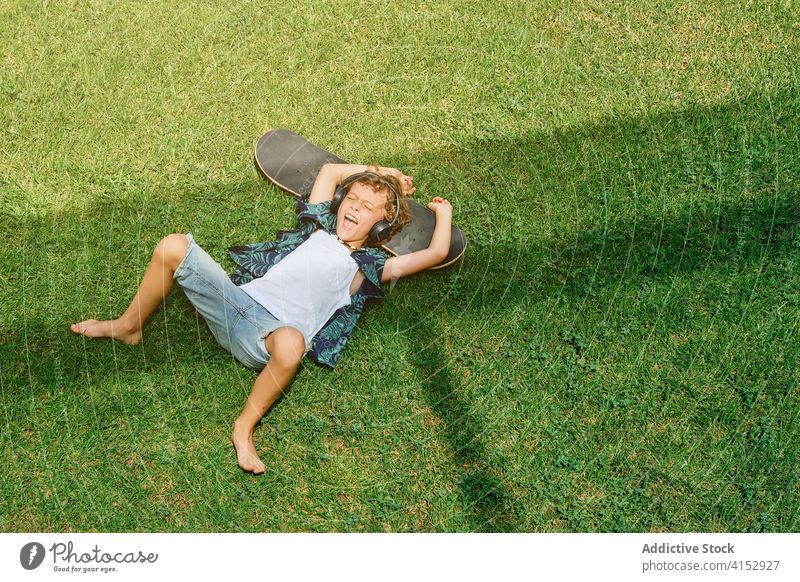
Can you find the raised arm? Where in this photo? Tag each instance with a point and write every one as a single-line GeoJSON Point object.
{"type": "Point", "coordinates": [405, 265]}
{"type": "Point", "coordinates": [331, 175]}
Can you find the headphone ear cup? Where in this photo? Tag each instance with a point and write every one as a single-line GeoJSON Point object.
{"type": "Point", "coordinates": [336, 201]}
{"type": "Point", "coordinates": [379, 232]}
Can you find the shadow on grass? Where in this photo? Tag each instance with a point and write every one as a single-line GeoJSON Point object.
{"type": "Point", "coordinates": [649, 199]}
{"type": "Point", "coordinates": [547, 215]}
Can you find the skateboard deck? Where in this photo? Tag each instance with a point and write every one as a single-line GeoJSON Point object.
{"type": "Point", "coordinates": [292, 163]}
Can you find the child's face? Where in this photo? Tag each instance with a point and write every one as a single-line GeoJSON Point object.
{"type": "Point", "coordinates": [365, 206]}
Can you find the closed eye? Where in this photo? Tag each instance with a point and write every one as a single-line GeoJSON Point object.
{"type": "Point", "coordinates": [367, 205]}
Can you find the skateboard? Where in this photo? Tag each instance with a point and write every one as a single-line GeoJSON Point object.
{"type": "Point", "coordinates": [292, 163]}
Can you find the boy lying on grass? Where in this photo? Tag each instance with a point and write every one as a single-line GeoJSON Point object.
{"type": "Point", "coordinates": [299, 295]}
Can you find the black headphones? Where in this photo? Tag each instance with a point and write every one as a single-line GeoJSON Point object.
{"type": "Point", "coordinates": [380, 230]}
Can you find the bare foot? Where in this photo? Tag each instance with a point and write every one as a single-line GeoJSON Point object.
{"type": "Point", "coordinates": [245, 450]}
{"type": "Point", "coordinates": [112, 328]}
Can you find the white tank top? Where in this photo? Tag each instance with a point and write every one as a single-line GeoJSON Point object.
{"type": "Point", "coordinates": [308, 285]}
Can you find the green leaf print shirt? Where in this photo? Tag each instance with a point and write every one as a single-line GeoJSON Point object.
{"type": "Point", "coordinates": [255, 259]}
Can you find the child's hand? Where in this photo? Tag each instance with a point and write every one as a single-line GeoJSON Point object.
{"type": "Point", "coordinates": [407, 182]}
{"type": "Point", "coordinates": [441, 207]}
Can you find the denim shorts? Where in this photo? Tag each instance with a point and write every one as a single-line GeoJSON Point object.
{"type": "Point", "coordinates": [236, 320]}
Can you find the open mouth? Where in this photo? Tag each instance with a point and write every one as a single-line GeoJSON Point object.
{"type": "Point", "coordinates": [350, 218]}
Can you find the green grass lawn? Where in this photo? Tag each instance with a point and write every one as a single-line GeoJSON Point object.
{"type": "Point", "coordinates": [616, 351]}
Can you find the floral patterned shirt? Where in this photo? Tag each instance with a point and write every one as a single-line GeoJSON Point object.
{"type": "Point", "coordinates": [255, 259]}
